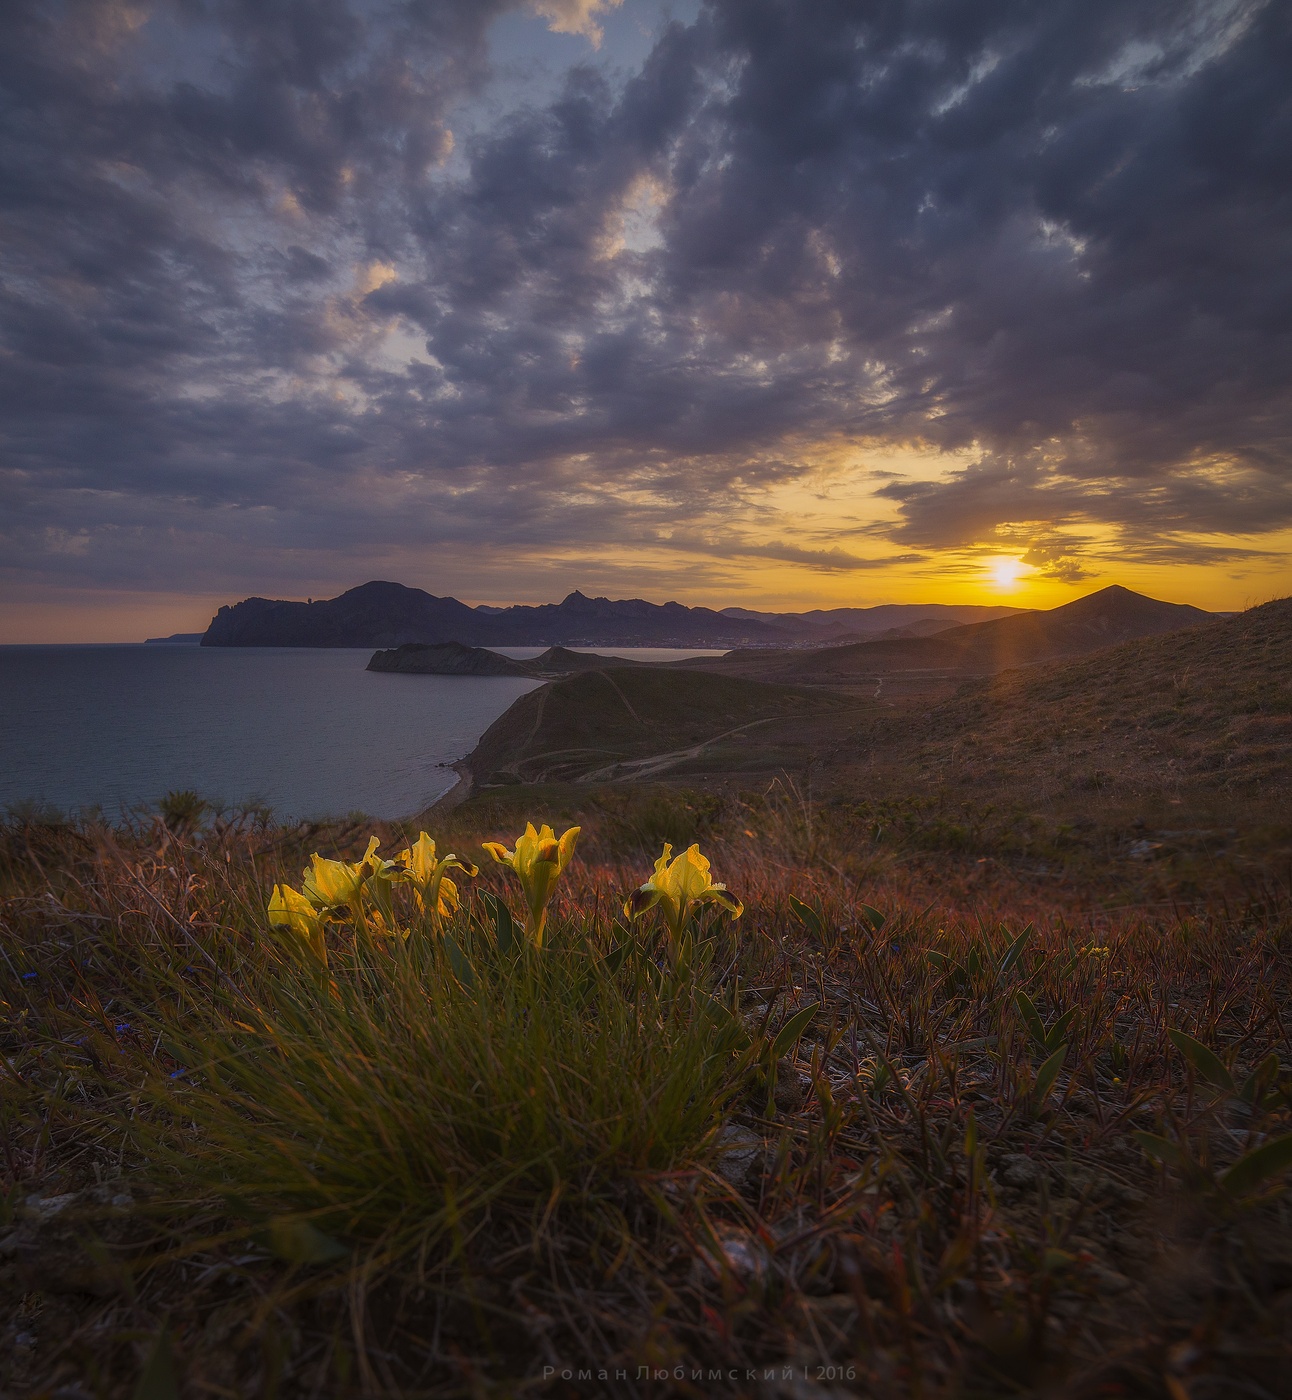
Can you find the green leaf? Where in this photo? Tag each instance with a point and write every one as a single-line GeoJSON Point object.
{"type": "Point", "coordinates": [938, 961]}
{"type": "Point", "coordinates": [872, 916]}
{"type": "Point", "coordinates": [1257, 1083]}
{"type": "Point", "coordinates": [808, 917]}
{"type": "Point", "coordinates": [1058, 1032]}
{"type": "Point", "coordinates": [614, 959]}
{"type": "Point", "coordinates": [1012, 954]}
{"type": "Point", "coordinates": [1205, 1061]}
{"type": "Point", "coordinates": [1046, 1075]}
{"type": "Point", "coordinates": [504, 926]}
{"type": "Point", "coordinates": [460, 963]}
{"type": "Point", "coordinates": [302, 1242]}
{"type": "Point", "coordinates": [1261, 1162]}
{"type": "Point", "coordinates": [1031, 1018]}
{"type": "Point", "coordinates": [788, 1035]}
{"type": "Point", "coordinates": [1162, 1148]}
{"type": "Point", "coordinates": [158, 1381]}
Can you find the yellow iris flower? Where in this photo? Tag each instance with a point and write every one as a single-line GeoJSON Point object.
{"type": "Point", "coordinates": [290, 909]}
{"type": "Point", "coordinates": [333, 884]}
{"type": "Point", "coordinates": [436, 893]}
{"type": "Point", "coordinates": [328, 884]}
{"type": "Point", "coordinates": [537, 860]}
{"type": "Point", "coordinates": [678, 886]}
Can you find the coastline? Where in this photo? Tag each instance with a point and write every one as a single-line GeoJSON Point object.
{"type": "Point", "coordinates": [456, 795]}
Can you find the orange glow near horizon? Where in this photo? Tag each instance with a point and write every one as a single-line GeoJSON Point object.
{"type": "Point", "coordinates": [701, 571]}
{"type": "Point", "coordinates": [92, 619]}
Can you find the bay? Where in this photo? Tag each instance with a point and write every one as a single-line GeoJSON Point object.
{"type": "Point", "coordinates": [308, 732]}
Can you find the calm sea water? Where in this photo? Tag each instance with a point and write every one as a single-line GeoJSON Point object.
{"type": "Point", "coordinates": [308, 731]}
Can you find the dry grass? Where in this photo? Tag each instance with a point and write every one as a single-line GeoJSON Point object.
{"type": "Point", "coordinates": [1199, 720]}
{"type": "Point", "coordinates": [920, 1213]}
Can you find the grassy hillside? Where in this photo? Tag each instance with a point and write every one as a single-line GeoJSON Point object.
{"type": "Point", "coordinates": [1179, 743]}
{"type": "Point", "coordinates": [609, 719]}
{"type": "Point", "coordinates": [1205, 712]}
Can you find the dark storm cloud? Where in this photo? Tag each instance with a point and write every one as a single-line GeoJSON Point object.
{"type": "Point", "coordinates": [256, 305]}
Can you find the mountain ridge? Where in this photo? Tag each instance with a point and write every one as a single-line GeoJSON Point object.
{"type": "Point", "coordinates": [385, 615]}
{"type": "Point", "coordinates": [1101, 619]}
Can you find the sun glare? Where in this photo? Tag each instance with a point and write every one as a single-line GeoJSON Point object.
{"type": "Point", "coordinates": [1005, 572]}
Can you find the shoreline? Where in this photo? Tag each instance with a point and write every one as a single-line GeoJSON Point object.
{"type": "Point", "coordinates": [456, 795]}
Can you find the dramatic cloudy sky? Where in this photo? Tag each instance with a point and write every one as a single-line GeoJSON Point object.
{"type": "Point", "coordinates": [777, 302]}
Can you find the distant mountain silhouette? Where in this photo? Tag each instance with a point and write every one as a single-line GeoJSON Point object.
{"type": "Point", "coordinates": [1103, 619]}
{"type": "Point", "coordinates": [1099, 620]}
{"type": "Point", "coordinates": [387, 615]}
{"type": "Point", "coordinates": [373, 615]}
{"type": "Point", "coordinates": [835, 625]}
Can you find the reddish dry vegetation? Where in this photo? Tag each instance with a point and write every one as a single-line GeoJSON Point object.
{"type": "Point", "coordinates": [985, 1169]}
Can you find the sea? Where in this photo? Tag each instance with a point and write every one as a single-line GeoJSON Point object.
{"type": "Point", "coordinates": [308, 733]}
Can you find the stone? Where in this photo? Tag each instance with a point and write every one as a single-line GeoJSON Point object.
{"type": "Point", "coordinates": [738, 1150]}
{"type": "Point", "coordinates": [1019, 1170]}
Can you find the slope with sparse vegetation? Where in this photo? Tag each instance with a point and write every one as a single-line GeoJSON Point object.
{"type": "Point", "coordinates": [602, 719]}
{"type": "Point", "coordinates": [1198, 716]}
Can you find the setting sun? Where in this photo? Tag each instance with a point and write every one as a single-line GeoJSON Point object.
{"type": "Point", "coordinates": [1005, 572]}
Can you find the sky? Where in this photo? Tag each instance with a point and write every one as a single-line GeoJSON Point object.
{"type": "Point", "coordinates": [774, 303]}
